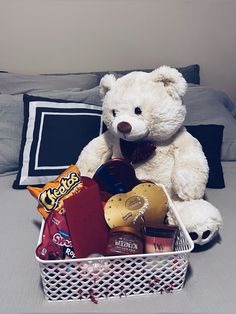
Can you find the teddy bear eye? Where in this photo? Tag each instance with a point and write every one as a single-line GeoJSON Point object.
{"type": "Point", "coordinates": [137, 110]}
{"type": "Point", "coordinates": [113, 112]}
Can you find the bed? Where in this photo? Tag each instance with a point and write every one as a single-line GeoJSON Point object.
{"type": "Point", "coordinates": [211, 278]}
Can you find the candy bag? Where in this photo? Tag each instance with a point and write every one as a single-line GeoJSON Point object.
{"type": "Point", "coordinates": [56, 242]}
{"type": "Point", "coordinates": [52, 194]}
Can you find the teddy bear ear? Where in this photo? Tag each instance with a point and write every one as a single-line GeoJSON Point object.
{"type": "Point", "coordinates": [171, 78]}
{"type": "Point", "coordinates": [106, 84]}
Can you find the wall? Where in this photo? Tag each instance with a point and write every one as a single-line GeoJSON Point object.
{"type": "Point", "coordinates": [42, 36]}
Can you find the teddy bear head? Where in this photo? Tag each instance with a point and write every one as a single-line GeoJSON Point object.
{"type": "Point", "coordinates": [144, 106]}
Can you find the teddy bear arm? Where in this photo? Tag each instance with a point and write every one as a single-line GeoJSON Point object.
{"type": "Point", "coordinates": [95, 153]}
{"type": "Point", "coordinates": [190, 172]}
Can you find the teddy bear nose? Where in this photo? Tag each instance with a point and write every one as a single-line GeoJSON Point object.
{"type": "Point", "coordinates": [124, 127]}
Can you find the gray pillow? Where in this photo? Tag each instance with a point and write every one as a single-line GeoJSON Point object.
{"type": "Point", "coordinates": [13, 84]}
{"type": "Point", "coordinates": [89, 96]}
{"type": "Point", "coordinates": [11, 121]}
{"type": "Point", "coordinates": [208, 106]}
{"type": "Point", "coordinates": [191, 73]}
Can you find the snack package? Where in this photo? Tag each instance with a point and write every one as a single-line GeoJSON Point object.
{"type": "Point", "coordinates": [56, 241]}
{"type": "Point", "coordinates": [52, 194]}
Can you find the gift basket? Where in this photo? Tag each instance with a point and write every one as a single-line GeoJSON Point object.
{"type": "Point", "coordinates": [106, 255]}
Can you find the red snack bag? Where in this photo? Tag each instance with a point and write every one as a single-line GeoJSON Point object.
{"type": "Point", "coordinates": [52, 194]}
{"type": "Point", "coordinates": [56, 241]}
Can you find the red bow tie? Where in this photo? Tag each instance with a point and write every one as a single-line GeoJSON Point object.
{"type": "Point", "coordinates": [136, 152]}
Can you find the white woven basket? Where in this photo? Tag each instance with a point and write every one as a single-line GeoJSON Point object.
{"type": "Point", "coordinates": [117, 276]}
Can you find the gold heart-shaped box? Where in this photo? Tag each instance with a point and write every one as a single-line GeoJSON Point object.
{"type": "Point", "coordinates": [145, 203]}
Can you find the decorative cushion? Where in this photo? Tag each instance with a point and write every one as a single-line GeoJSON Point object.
{"type": "Point", "coordinates": [12, 117]}
{"type": "Point", "coordinates": [54, 133]}
{"type": "Point", "coordinates": [210, 137]}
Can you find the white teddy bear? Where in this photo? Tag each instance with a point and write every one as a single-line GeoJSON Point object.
{"type": "Point", "coordinates": [146, 110]}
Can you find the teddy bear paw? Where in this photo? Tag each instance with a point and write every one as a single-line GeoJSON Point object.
{"type": "Point", "coordinates": [201, 219]}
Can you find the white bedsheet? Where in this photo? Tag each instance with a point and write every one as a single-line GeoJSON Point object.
{"type": "Point", "coordinates": [210, 286]}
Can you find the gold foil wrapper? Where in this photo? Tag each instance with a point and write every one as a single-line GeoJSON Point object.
{"type": "Point", "coordinates": [145, 203]}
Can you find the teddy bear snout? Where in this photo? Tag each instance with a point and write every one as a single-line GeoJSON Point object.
{"type": "Point", "coordinates": [124, 127]}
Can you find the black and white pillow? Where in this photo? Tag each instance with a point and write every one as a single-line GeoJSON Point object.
{"type": "Point", "coordinates": [54, 133]}
{"type": "Point", "coordinates": [210, 137]}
